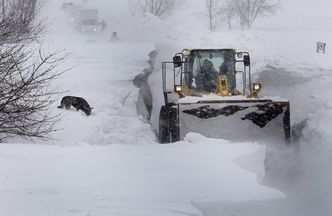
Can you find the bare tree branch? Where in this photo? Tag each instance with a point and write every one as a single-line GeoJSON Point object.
{"type": "Point", "coordinates": [26, 92]}
{"type": "Point", "coordinates": [214, 13]}
{"type": "Point", "coordinates": [26, 76]}
{"type": "Point", "coordinates": [18, 20]}
{"type": "Point", "coordinates": [249, 10]}
{"type": "Point", "coordinates": [158, 8]}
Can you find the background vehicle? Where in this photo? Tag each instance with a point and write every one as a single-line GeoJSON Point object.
{"type": "Point", "coordinates": [84, 19]}
{"type": "Point", "coordinates": [87, 20]}
{"type": "Point", "coordinates": [201, 93]}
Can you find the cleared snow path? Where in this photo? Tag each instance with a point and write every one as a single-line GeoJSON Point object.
{"type": "Point", "coordinates": [102, 73]}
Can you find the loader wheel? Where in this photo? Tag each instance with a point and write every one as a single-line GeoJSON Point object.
{"type": "Point", "coordinates": [168, 125]}
{"type": "Point", "coordinates": [164, 134]}
{"type": "Point", "coordinates": [287, 127]}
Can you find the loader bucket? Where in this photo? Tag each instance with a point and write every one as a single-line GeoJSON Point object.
{"type": "Point", "coordinates": [237, 120]}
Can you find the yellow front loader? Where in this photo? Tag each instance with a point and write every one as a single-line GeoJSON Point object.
{"type": "Point", "coordinates": [209, 91]}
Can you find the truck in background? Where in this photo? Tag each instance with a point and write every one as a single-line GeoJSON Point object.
{"type": "Point", "coordinates": [84, 19]}
{"type": "Point", "coordinates": [87, 20]}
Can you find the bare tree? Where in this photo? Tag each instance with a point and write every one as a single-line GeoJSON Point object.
{"type": "Point", "coordinates": [214, 12]}
{"type": "Point", "coordinates": [158, 8]}
{"type": "Point", "coordinates": [220, 12]}
{"type": "Point", "coordinates": [26, 76]}
{"type": "Point", "coordinates": [17, 20]}
{"type": "Point", "coordinates": [249, 10]}
{"type": "Point", "coordinates": [228, 12]}
{"type": "Point", "coordinates": [26, 93]}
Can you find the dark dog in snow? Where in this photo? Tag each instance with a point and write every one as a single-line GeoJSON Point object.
{"type": "Point", "coordinates": [77, 102]}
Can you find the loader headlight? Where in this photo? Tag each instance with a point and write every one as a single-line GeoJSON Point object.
{"type": "Point", "coordinates": [178, 88]}
{"type": "Point", "coordinates": [257, 87]}
{"type": "Point", "coordinates": [239, 55]}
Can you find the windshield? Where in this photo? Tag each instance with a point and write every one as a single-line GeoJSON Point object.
{"type": "Point", "coordinates": [206, 65]}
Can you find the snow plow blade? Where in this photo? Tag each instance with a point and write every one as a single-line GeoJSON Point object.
{"type": "Point", "coordinates": [237, 120]}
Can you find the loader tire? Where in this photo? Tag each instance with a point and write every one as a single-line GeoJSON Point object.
{"type": "Point", "coordinates": [164, 134]}
{"type": "Point", "coordinates": [168, 125]}
{"type": "Point", "coordinates": [287, 127]}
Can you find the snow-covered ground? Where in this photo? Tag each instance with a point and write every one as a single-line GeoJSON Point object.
{"type": "Point", "coordinates": [128, 180]}
{"type": "Point", "coordinates": [110, 162]}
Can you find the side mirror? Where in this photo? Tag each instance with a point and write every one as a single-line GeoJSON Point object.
{"type": "Point", "coordinates": [177, 61]}
{"type": "Point", "coordinates": [246, 60]}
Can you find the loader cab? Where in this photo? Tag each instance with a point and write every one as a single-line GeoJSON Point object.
{"type": "Point", "coordinates": [199, 72]}
{"type": "Point", "coordinates": [206, 71]}
{"type": "Point", "coordinates": [203, 67]}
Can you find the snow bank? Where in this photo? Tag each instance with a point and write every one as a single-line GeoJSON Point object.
{"type": "Point", "coordinates": [122, 180]}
